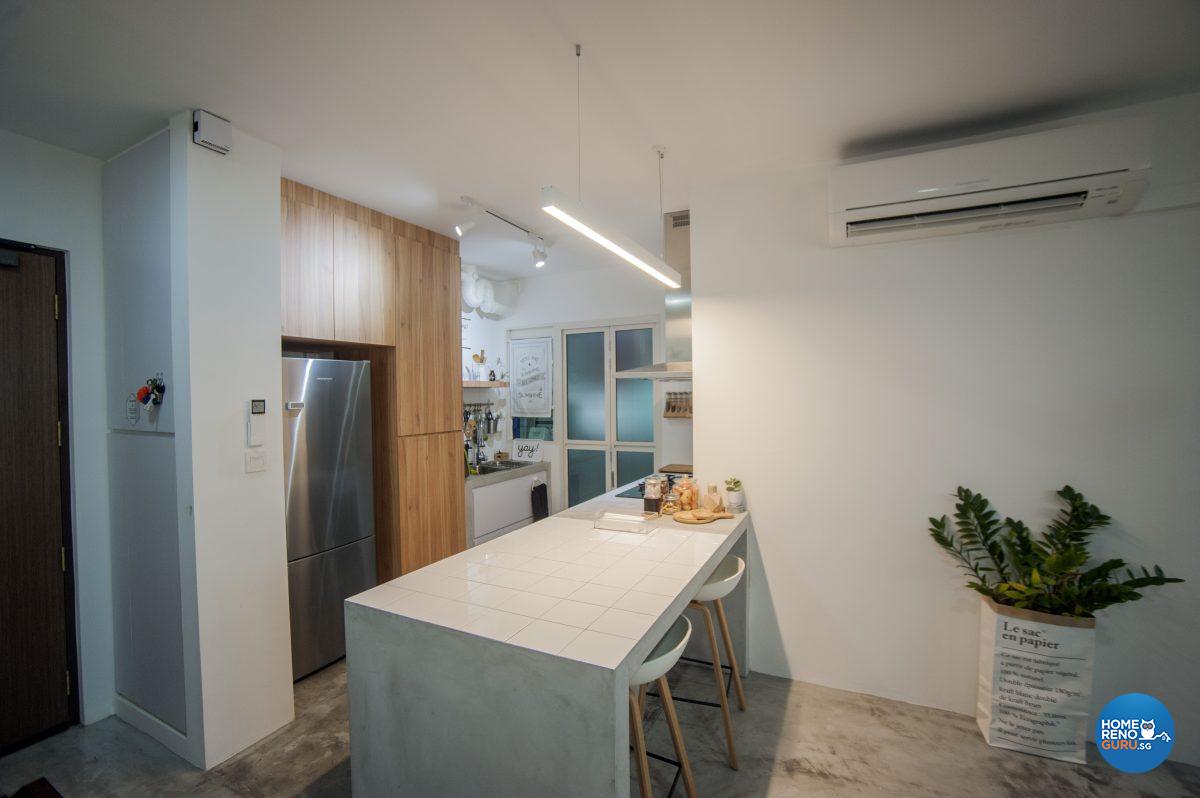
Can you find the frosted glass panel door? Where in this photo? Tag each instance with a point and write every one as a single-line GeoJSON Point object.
{"type": "Point", "coordinates": [586, 397]}
{"type": "Point", "coordinates": [587, 474]}
{"type": "Point", "coordinates": [610, 421]}
{"type": "Point", "coordinates": [635, 398]}
{"type": "Point", "coordinates": [633, 465]}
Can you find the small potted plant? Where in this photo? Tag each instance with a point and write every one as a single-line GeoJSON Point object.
{"type": "Point", "coordinates": [1037, 620]}
{"type": "Point", "coordinates": [735, 497]}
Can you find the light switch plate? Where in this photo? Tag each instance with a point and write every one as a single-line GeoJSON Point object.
{"type": "Point", "coordinates": [255, 462]}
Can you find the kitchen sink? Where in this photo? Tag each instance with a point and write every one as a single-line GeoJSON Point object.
{"type": "Point", "coordinates": [495, 468]}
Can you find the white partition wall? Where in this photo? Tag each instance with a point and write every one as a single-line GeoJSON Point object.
{"type": "Point", "coordinates": [1008, 362]}
{"type": "Point", "coordinates": [225, 249]}
{"type": "Point", "coordinates": [203, 639]}
{"type": "Point", "coordinates": [147, 602]}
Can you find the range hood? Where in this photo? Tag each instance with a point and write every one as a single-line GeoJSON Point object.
{"type": "Point", "coordinates": [677, 252]}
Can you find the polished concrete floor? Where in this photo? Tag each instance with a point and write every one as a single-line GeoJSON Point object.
{"type": "Point", "coordinates": [795, 740]}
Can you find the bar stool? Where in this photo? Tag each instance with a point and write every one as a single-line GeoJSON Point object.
{"type": "Point", "coordinates": [660, 660]}
{"type": "Point", "coordinates": [722, 582]}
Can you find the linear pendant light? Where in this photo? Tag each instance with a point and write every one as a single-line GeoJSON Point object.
{"type": "Point", "coordinates": [570, 213]}
{"type": "Point", "coordinates": [573, 215]}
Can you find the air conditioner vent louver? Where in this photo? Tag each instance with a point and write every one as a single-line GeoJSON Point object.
{"type": "Point", "coordinates": [975, 213]}
{"type": "Point", "coordinates": [1063, 174]}
{"type": "Point", "coordinates": [683, 219]}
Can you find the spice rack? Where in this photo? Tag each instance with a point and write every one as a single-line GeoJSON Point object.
{"type": "Point", "coordinates": [678, 405]}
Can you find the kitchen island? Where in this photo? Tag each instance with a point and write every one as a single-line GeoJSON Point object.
{"type": "Point", "coordinates": [504, 670]}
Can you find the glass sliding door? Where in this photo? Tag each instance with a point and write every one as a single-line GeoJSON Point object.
{"type": "Point", "coordinates": [587, 397]}
{"type": "Point", "coordinates": [610, 422]}
{"type": "Point", "coordinates": [587, 472]}
{"type": "Point", "coordinates": [633, 464]}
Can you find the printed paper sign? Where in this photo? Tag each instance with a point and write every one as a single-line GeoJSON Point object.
{"type": "Point", "coordinates": [525, 450]}
{"type": "Point", "coordinates": [531, 377]}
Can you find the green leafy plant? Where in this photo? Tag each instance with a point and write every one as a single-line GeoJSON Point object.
{"type": "Point", "coordinates": [1049, 573]}
{"type": "Point", "coordinates": [733, 483]}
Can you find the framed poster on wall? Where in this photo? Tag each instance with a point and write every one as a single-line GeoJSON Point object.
{"type": "Point", "coordinates": [531, 386]}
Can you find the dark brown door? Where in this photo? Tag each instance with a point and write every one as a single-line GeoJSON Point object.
{"type": "Point", "coordinates": [34, 640]}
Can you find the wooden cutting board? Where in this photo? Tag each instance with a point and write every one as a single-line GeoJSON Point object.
{"type": "Point", "coordinates": [689, 520]}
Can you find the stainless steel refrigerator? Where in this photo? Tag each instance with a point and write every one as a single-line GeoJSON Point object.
{"type": "Point", "coordinates": [329, 499]}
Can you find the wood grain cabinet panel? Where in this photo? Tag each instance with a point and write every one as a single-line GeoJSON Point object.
{"type": "Point", "coordinates": [428, 340]}
{"type": "Point", "coordinates": [432, 515]}
{"type": "Point", "coordinates": [364, 287]}
{"type": "Point", "coordinates": [307, 270]}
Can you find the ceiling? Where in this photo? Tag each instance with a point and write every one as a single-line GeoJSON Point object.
{"type": "Point", "coordinates": [406, 106]}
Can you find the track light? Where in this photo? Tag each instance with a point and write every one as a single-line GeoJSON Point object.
{"type": "Point", "coordinates": [539, 253]}
{"type": "Point", "coordinates": [461, 228]}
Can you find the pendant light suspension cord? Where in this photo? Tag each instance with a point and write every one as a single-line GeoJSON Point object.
{"type": "Point", "coordinates": [661, 155]}
{"type": "Point", "coordinates": [662, 241]}
{"type": "Point", "coordinates": [578, 125]}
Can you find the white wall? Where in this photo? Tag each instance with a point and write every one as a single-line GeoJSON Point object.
{"type": "Point", "coordinates": [225, 238]}
{"type": "Point", "coordinates": [51, 197]}
{"type": "Point", "coordinates": [570, 297]}
{"type": "Point", "coordinates": [852, 389]}
{"type": "Point", "coordinates": [144, 510]}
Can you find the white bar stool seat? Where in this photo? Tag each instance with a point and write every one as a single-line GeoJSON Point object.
{"type": "Point", "coordinates": [719, 585]}
{"type": "Point", "coordinates": [723, 580]}
{"type": "Point", "coordinates": [664, 655]}
{"type": "Point", "coordinates": [661, 659]}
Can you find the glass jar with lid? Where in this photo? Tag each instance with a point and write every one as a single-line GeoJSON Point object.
{"type": "Point", "coordinates": [670, 502]}
{"type": "Point", "coordinates": [652, 491]}
{"type": "Point", "coordinates": [688, 492]}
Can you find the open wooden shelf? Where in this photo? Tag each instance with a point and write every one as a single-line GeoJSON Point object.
{"type": "Point", "coordinates": [484, 384]}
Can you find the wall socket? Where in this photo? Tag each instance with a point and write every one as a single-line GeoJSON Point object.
{"type": "Point", "coordinates": [255, 462]}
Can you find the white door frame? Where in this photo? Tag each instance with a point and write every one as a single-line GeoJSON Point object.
{"type": "Point", "coordinates": [558, 401]}
{"type": "Point", "coordinates": [610, 445]}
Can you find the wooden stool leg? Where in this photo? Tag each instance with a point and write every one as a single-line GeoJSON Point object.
{"type": "Point", "coordinates": [719, 678]}
{"type": "Point", "coordinates": [733, 663]}
{"type": "Point", "coordinates": [642, 697]}
{"type": "Point", "coordinates": [685, 766]}
{"type": "Point", "coordinates": [639, 746]}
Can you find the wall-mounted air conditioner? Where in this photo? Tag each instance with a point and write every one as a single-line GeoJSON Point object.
{"type": "Point", "coordinates": [1098, 169]}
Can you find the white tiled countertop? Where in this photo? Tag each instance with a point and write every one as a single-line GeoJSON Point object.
{"type": "Point", "coordinates": [559, 585]}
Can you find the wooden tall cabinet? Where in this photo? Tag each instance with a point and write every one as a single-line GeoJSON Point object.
{"type": "Point", "coordinates": [307, 275]}
{"type": "Point", "coordinates": [431, 499]}
{"type": "Point", "coordinates": [364, 282]}
{"type": "Point", "coordinates": [378, 288]}
{"type": "Point", "coordinates": [430, 333]}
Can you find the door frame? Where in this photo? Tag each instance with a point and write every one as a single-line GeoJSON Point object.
{"type": "Point", "coordinates": [610, 445]}
{"type": "Point", "coordinates": [65, 486]}
{"type": "Point", "coordinates": [556, 449]}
